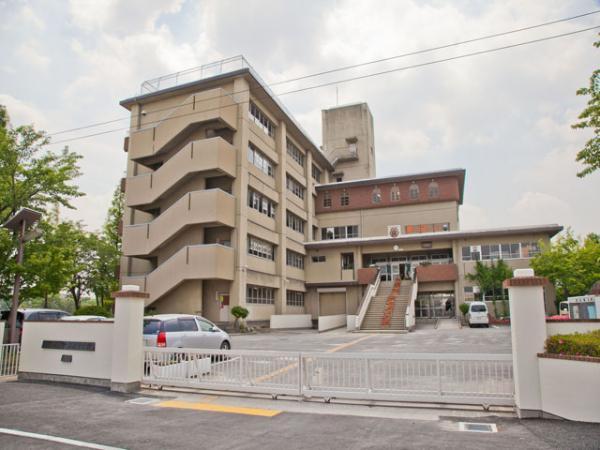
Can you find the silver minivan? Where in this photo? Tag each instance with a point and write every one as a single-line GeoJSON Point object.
{"type": "Point", "coordinates": [184, 331]}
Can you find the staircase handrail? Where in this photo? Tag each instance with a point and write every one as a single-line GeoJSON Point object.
{"type": "Point", "coordinates": [369, 294]}
{"type": "Point", "coordinates": [409, 318]}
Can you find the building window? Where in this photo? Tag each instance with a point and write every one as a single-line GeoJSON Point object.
{"type": "Point", "coordinates": [344, 198]}
{"type": "Point", "coordinates": [352, 145]}
{"type": "Point", "coordinates": [294, 222]}
{"type": "Point", "coordinates": [433, 190]}
{"type": "Point", "coordinates": [261, 203]}
{"type": "Point", "coordinates": [316, 174]}
{"type": "Point", "coordinates": [261, 120]}
{"type": "Point", "coordinates": [347, 261]}
{"type": "Point", "coordinates": [529, 249]}
{"type": "Point", "coordinates": [343, 232]}
{"type": "Point", "coordinates": [427, 228]}
{"type": "Point", "coordinates": [376, 195]}
{"type": "Point", "coordinates": [413, 191]}
{"type": "Point", "coordinates": [294, 259]}
{"type": "Point", "coordinates": [262, 249]}
{"type": "Point", "coordinates": [511, 251]}
{"type": "Point", "coordinates": [294, 298]}
{"type": "Point", "coordinates": [469, 293]}
{"type": "Point", "coordinates": [294, 187]}
{"type": "Point", "coordinates": [295, 152]}
{"type": "Point", "coordinates": [318, 259]}
{"type": "Point", "coordinates": [326, 199]}
{"type": "Point", "coordinates": [395, 193]}
{"type": "Point", "coordinates": [258, 158]}
{"type": "Point", "coordinates": [260, 295]}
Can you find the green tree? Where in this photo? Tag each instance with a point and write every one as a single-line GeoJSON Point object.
{"type": "Point", "coordinates": [84, 246]}
{"type": "Point", "coordinates": [47, 262]}
{"type": "Point", "coordinates": [30, 176]}
{"type": "Point", "coordinates": [573, 266]}
{"type": "Point", "coordinates": [489, 278]}
{"type": "Point", "coordinates": [590, 118]}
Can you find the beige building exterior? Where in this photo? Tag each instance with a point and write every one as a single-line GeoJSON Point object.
{"type": "Point", "coordinates": [229, 202]}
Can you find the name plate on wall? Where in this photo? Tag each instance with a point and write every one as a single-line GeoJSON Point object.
{"type": "Point", "coordinates": [69, 345]}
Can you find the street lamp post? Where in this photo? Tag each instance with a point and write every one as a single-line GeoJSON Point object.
{"type": "Point", "coordinates": [19, 224]}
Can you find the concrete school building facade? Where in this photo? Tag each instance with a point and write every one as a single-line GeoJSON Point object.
{"type": "Point", "coordinates": [229, 202]}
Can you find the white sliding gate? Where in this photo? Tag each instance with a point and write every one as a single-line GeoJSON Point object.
{"type": "Point", "coordinates": [9, 360]}
{"type": "Point", "coordinates": [480, 379]}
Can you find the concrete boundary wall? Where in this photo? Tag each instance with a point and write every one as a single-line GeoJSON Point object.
{"type": "Point", "coordinates": [283, 321]}
{"type": "Point", "coordinates": [571, 326]}
{"type": "Point", "coordinates": [570, 389]}
{"type": "Point", "coordinates": [331, 322]}
{"type": "Point", "coordinates": [85, 367]}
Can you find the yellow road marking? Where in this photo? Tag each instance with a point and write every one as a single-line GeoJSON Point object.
{"type": "Point", "coordinates": [347, 344]}
{"type": "Point", "coordinates": [294, 365]}
{"type": "Point", "coordinates": [219, 408]}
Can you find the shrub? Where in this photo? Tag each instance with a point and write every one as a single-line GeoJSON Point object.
{"type": "Point", "coordinates": [587, 344]}
{"type": "Point", "coordinates": [92, 310]}
{"type": "Point", "coordinates": [464, 308]}
{"type": "Point", "coordinates": [239, 312]}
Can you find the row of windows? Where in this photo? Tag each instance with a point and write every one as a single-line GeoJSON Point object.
{"type": "Point", "coordinates": [500, 251]}
{"type": "Point", "coordinates": [261, 120]}
{"type": "Point", "coordinates": [261, 203]}
{"type": "Point", "coordinates": [260, 295]}
{"type": "Point", "coordinates": [295, 259]}
{"type": "Point", "coordinates": [258, 158]}
{"type": "Point", "coordinates": [376, 196]}
{"type": "Point", "coordinates": [294, 222]}
{"type": "Point", "coordinates": [295, 152]}
{"type": "Point", "coordinates": [294, 187]}
{"type": "Point", "coordinates": [294, 298]}
{"type": "Point", "coordinates": [427, 228]}
{"type": "Point", "coordinates": [260, 248]}
{"type": "Point", "coordinates": [343, 232]}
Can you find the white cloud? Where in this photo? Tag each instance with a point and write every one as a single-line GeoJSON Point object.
{"type": "Point", "coordinates": [539, 208]}
{"type": "Point", "coordinates": [31, 54]}
{"type": "Point", "coordinates": [22, 112]}
{"type": "Point", "coordinates": [473, 217]}
{"type": "Point", "coordinates": [30, 17]}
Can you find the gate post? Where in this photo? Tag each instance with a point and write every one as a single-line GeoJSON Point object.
{"type": "Point", "coordinates": [528, 335]}
{"type": "Point", "coordinates": [128, 341]}
{"type": "Point", "coordinates": [1, 332]}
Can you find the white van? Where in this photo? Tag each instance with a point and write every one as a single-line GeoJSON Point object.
{"type": "Point", "coordinates": [478, 314]}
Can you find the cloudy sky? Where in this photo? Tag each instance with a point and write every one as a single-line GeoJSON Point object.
{"type": "Point", "coordinates": [505, 117]}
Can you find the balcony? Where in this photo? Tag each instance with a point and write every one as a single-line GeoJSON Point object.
{"type": "Point", "coordinates": [437, 272]}
{"type": "Point", "coordinates": [209, 207]}
{"type": "Point", "coordinates": [214, 105]}
{"type": "Point", "coordinates": [210, 156]}
{"type": "Point", "coordinates": [196, 262]}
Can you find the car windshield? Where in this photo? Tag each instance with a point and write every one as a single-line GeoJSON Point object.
{"type": "Point", "coordinates": [478, 308]}
{"type": "Point", "coordinates": [151, 326]}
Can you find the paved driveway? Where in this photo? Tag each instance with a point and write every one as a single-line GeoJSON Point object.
{"type": "Point", "coordinates": [425, 339]}
{"type": "Point", "coordinates": [98, 417]}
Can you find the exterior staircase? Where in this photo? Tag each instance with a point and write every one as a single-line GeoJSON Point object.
{"type": "Point", "coordinates": [386, 295]}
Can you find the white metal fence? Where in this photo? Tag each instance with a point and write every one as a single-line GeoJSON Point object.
{"type": "Point", "coordinates": [440, 378]}
{"type": "Point", "coordinates": [9, 359]}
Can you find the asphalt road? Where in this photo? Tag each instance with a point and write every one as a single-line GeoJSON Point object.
{"type": "Point", "coordinates": [425, 339]}
{"type": "Point", "coordinates": [99, 417]}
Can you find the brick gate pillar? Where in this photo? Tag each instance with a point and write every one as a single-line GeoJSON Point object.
{"type": "Point", "coordinates": [528, 335]}
{"type": "Point", "coordinates": [128, 340]}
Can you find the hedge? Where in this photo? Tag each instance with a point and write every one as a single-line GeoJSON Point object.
{"type": "Point", "coordinates": [92, 310]}
{"type": "Point", "coordinates": [587, 344]}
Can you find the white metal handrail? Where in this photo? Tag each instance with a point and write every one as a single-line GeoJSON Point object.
{"type": "Point", "coordinates": [369, 294]}
{"type": "Point", "coordinates": [9, 359]}
{"type": "Point", "coordinates": [409, 318]}
{"type": "Point", "coordinates": [424, 377]}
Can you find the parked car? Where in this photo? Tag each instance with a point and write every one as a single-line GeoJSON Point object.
{"type": "Point", "coordinates": [27, 314]}
{"type": "Point", "coordinates": [478, 314]}
{"type": "Point", "coordinates": [83, 318]}
{"type": "Point", "coordinates": [184, 331]}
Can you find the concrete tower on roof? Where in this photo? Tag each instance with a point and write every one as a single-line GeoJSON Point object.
{"type": "Point", "coordinates": [349, 141]}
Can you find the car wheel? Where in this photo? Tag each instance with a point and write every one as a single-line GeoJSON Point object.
{"type": "Point", "coordinates": [225, 345]}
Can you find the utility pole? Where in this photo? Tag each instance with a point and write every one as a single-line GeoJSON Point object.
{"type": "Point", "coordinates": [19, 224]}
